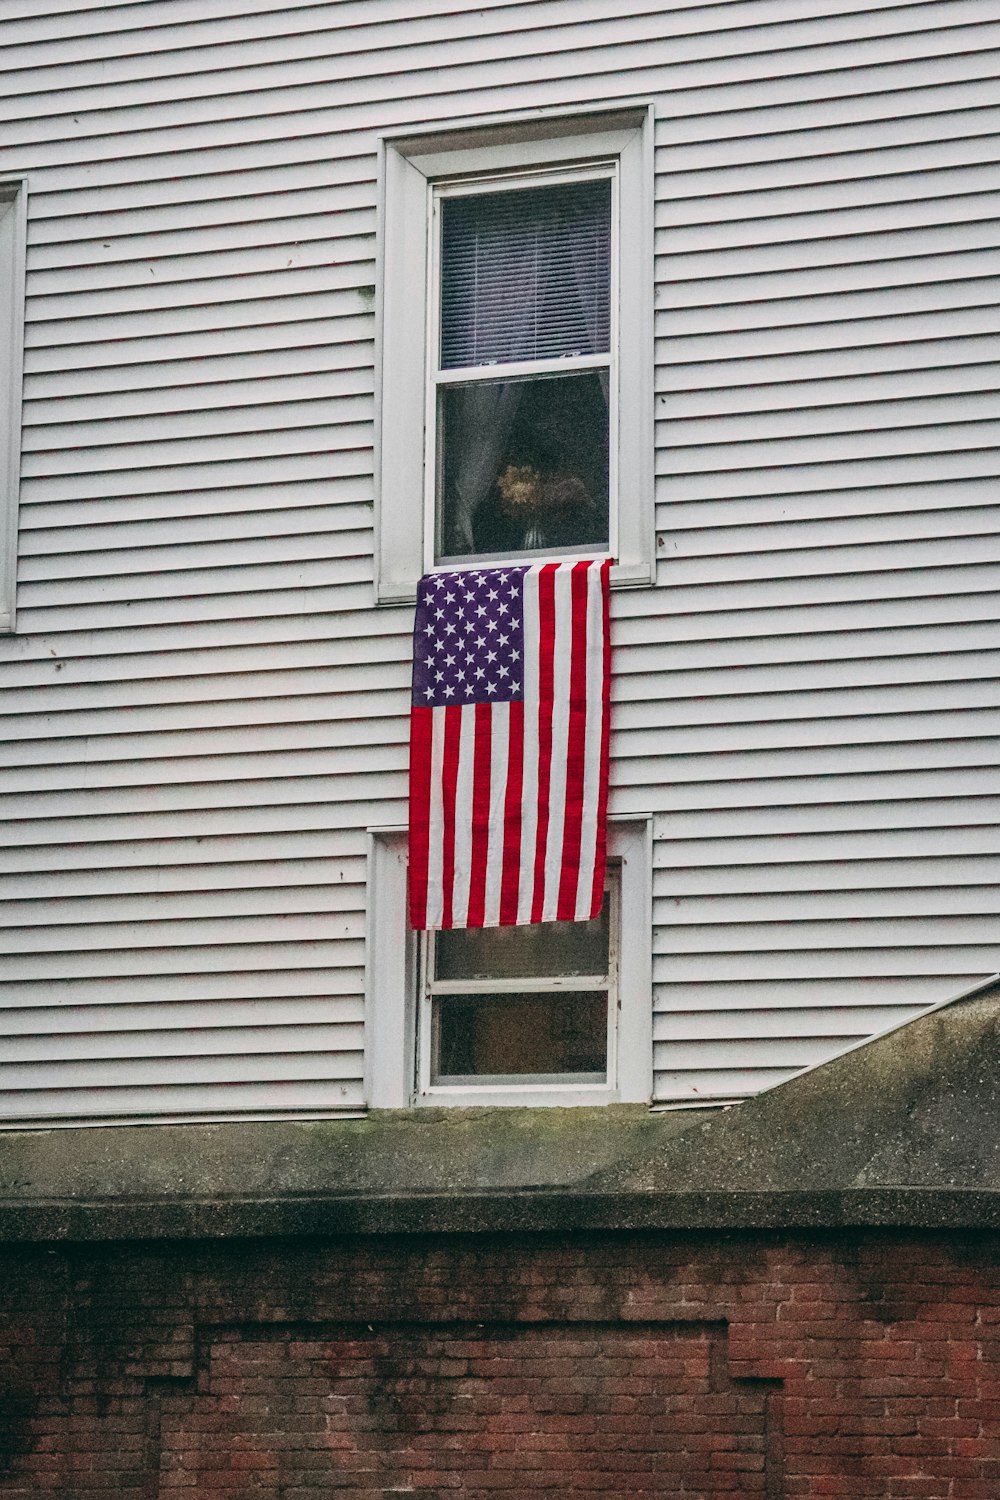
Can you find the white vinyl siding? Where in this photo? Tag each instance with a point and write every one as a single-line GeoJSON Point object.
{"type": "Point", "coordinates": [204, 711]}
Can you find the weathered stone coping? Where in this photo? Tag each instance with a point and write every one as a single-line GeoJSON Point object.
{"type": "Point", "coordinates": [902, 1132]}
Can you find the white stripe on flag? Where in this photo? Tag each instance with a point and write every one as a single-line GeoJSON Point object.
{"type": "Point", "coordinates": [435, 838]}
{"type": "Point", "coordinates": [592, 751]}
{"type": "Point", "coordinates": [499, 746]}
{"type": "Point", "coordinates": [463, 818]}
{"type": "Point", "coordinates": [529, 779]}
{"type": "Point", "coordinates": [562, 658]}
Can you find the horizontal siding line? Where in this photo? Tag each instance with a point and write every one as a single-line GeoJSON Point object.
{"type": "Point", "coordinates": [896, 407]}
{"type": "Point", "coordinates": [188, 15]}
{"type": "Point", "coordinates": [363, 696]}
{"type": "Point", "coordinates": [797, 142]}
{"type": "Point", "coordinates": [665, 613]}
{"type": "Point", "coordinates": [345, 416]}
{"type": "Point", "coordinates": [277, 308]}
{"type": "Point", "coordinates": [62, 1049]}
{"type": "Point", "coordinates": [176, 1015]}
{"type": "Point", "coordinates": [571, 42]}
{"type": "Point", "coordinates": [298, 324]}
{"type": "Point", "coordinates": [259, 879]}
{"type": "Point", "coordinates": [868, 162]}
{"type": "Point", "coordinates": [34, 620]}
{"type": "Point", "coordinates": [202, 291]}
{"type": "Point", "coordinates": [571, 61]}
{"type": "Point", "coordinates": [764, 648]}
{"type": "Point", "coordinates": [356, 330]}
{"type": "Point", "coordinates": [782, 201]}
{"type": "Point", "coordinates": [266, 767]}
{"type": "Point", "coordinates": [278, 630]}
{"type": "Point", "coordinates": [902, 873]}
{"type": "Point", "coordinates": [131, 247]}
{"type": "Point", "coordinates": [351, 417]}
{"type": "Point", "coordinates": [16, 1078]}
{"type": "Point", "coordinates": [887, 505]}
{"type": "Point", "coordinates": [67, 226]}
{"type": "Point", "coordinates": [672, 911]}
{"type": "Point", "coordinates": [402, 36]}
{"type": "Point", "coordinates": [218, 852]}
{"type": "Point", "coordinates": [758, 220]}
{"type": "Point", "coordinates": [936, 261]}
{"type": "Point", "coordinates": [185, 267]}
{"type": "Point", "coordinates": [316, 157]}
{"type": "Point", "coordinates": [306, 131]}
{"type": "Point", "coordinates": [182, 907]}
{"type": "Point", "coordinates": [813, 390]}
{"type": "Point", "coordinates": [153, 827]}
{"type": "Point", "coordinates": [324, 546]}
{"type": "Point", "coordinates": [787, 230]}
{"type": "Point", "coordinates": [882, 244]}
{"type": "Point", "coordinates": [628, 78]}
{"type": "Point", "coordinates": [195, 379]}
{"type": "Point", "coordinates": [666, 311]}
{"type": "Point", "coordinates": [664, 471]}
{"type": "Point", "coordinates": [332, 653]}
{"type": "Point", "coordinates": [209, 474]}
{"type": "Point", "coordinates": [176, 397]}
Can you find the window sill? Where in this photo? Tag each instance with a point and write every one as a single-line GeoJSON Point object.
{"type": "Point", "coordinates": [623, 576]}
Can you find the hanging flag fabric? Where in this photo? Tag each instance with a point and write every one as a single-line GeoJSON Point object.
{"type": "Point", "coordinates": [509, 745]}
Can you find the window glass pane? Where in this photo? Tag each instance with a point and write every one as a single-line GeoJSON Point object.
{"type": "Point", "coordinates": [526, 274]}
{"type": "Point", "coordinates": [538, 951]}
{"type": "Point", "coordinates": [525, 465]}
{"type": "Point", "coordinates": [518, 1035]}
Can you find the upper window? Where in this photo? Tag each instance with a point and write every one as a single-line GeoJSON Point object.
{"type": "Point", "coordinates": [520, 392]}
{"type": "Point", "coordinates": [12, 233]}
{"type": "Point", "coordinates": [516, 348]}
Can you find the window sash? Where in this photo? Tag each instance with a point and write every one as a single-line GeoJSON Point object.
{"type": "Point", "coordinates": [436, 377]}
{"type": "Point", "coordinates": [431, 988]}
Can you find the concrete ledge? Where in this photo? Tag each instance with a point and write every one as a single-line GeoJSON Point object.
{"type": "Point", "coordinates": [901, 1132]}
{"type": "Point", "coordinates": [493, 1213]}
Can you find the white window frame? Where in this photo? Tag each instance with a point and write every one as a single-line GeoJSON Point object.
{"type": "Point", "coordinates": [414, 171]}
{"type": "Point", "coordinates": [13, 230]}
{"type": "Point", "coordinates": [393, 990]}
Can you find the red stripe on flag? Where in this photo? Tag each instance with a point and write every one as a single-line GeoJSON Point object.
{"type": "Point", "coordinates": [481, 751]}
{"type": "Point", "coordinates": [421, 732]}
{"type": "Point", "coordinates": [449, 779]}
{"type": "Point", "coordinates": [546, 650]}
{"type": "Point", "coordinates": [576, 740]}
{"type": "Point", "coordinates": [511, 874]}
{"type": "Point", "coordinates": [601, 855]}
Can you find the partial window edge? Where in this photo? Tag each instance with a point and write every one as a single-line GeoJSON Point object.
{"type": "Point", "coordinates": [13, 235]}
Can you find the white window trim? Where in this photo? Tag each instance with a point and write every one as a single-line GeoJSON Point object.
{"type": "Point", "coordinates": [392, 981]}
{"type": "Point", "coordinates": [409, 169]}
{"type": "Point", "coordinates": [13, 230]}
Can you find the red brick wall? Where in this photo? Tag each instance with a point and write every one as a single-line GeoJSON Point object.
{"type": "Point", "coordinates": [595, 1366]}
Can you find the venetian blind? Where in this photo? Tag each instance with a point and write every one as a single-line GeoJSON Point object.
{"type": "Point", "coordinates": [526, 274]}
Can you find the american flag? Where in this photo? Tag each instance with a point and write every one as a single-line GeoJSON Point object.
{"type": "Point", "coordinates": [509, 745]}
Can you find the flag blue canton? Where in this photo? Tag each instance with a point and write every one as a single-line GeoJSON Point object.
{"type": "Point", "coordinates": [469, 638]}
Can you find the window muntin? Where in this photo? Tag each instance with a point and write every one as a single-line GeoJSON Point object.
{"type": "Point", "coordinates": [522, 380]}
{"type": "Point", "coordinates": [518, 1008]}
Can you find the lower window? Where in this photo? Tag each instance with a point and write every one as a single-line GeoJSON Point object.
{"type": "Point", "coordinates": [557, 1013]}
{"type": "Point", "coordinates": [504, 1007]}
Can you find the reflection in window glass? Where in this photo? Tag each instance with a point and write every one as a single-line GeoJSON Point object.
{"type": "Point", "coordinates": [525, 465]}
{"type": "Point", "coordinates": [509, 1036]}
{"type": "Point", "coordinates": [541, 950]}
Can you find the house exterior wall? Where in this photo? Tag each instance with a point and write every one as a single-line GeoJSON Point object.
{"type": "Point", "coordinates": [696, 1365]}
{"type": "Point", "coordinates": [203, 709]}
